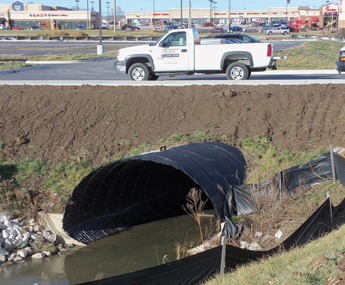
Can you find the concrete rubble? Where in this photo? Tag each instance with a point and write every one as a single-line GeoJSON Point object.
{"type": "Point", "coordinates": [20, 240]}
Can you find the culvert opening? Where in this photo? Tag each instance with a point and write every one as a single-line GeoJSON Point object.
{"type": "Point", "coordinates": [149, 187]}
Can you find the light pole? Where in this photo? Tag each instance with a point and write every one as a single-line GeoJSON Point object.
{"type": "Point", "coordinates": [153, 13]}
{"type": "Point", "coordinates": [181, 15]}
{"type": "Point", "coordinates": [100, 47]}
{"type": "Point", "coordinates": [189, 15]}
{"type": "Point", "coordinates": [108, 10]}
{"type": "Point", "coordinates": [211, 1]}
{"type": "Point", "coordinates": [114, 16]}
{"type": "Point", "coordinates": [214, 9]}
{"type": "Point", "coordinates": [88, 18]}
{"type": "Point", "coordinates": [77, 1]}
{"type": "Point", "coordinates": [92, 5]}
{"type": "Point", "coordinates": [229, 18]}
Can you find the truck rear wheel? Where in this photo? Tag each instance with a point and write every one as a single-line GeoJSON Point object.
{"type": "Point", "coordinates": [237, 71]}
{"type": "Point", "coordinates": [139, 72]}
{"type": "Point", "coordinates": [153, 77]}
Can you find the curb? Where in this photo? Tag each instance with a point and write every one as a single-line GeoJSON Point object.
{"type": "Point", "coordinates": [15, 70]}
{"type": "Point", "coordinates": [67, 61]}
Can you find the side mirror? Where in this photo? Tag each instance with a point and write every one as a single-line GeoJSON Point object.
{"type": "Point", "coordinates": [162, 44]}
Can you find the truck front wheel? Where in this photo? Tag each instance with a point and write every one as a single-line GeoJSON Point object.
{"type": "Point", "coordinates": [139, 72]}
{"type": "Point", "coordinates": [237, 71]}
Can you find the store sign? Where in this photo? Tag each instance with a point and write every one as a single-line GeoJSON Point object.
{"type": "Point", "coordinates": [41, 15]}
{"type": "Point", "coordinates": [328, 10]}
{"type": "Point", "coordinates": [18, 6]}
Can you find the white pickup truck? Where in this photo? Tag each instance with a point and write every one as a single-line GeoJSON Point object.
{"type": "Point", "coordinates": [181, 52]}
{"type": "Point", "coordinates": [277, 30]}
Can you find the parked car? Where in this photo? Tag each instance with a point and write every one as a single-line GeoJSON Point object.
{"type": "Point", "coordinates": [81, 27]}
{"type": "Point", "coordinates": [128, 27]}
{"type": "Point", "coordinates": [2, 27]}
{"type": "Point", "coordinates": [207, 24]}
{"type": "Point", "coordinates": [340, 65]}
{"type": "Point", "coordinates": [170, 27]}
{"type": "Point", "coordinates": [242, 37]}
{"type": "Point", "coordinates": [33, 28]}
{"type": "Point", "coordinates": [235, 29]}
{"type": "Point", "coordinates": [217, 30]}
{"type": "Point", "coordinates": [17, 27]}
{"type": "Point", "coordinates": [277, 30]}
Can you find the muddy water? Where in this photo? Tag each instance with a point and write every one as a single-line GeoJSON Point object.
{"type": "Point", "coordinates": [141, 247]}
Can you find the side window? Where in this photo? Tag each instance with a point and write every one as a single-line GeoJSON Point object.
{"type": "Point", "coordinates": [175, 39]}
{"type": "Point", "coordinates": [245, 39]}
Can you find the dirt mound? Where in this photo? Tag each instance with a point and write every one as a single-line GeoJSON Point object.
{"type": "Point", "coordinates": [60, 123]}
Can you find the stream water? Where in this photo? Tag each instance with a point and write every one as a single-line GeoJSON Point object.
{"type": "Point", "coordinates": [138, 248]}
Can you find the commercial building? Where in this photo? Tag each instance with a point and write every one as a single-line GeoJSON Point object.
{"type": "Point", "coordinates": [330, 14]}
{"type": "Point", "coordinates": [55, 18]}
{"type": "Point", "coordinates": [46, 17]}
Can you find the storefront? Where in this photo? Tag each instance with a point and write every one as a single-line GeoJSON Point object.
{"type": "Point", "coordinates": [46, 17]}
{"type": "Point", "coordinates": [328, 15]}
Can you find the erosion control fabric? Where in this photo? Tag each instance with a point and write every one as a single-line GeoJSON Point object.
{"type": "Point", "coordinates": [197, 268]}
{"type": "Point", "coordinates": [149, 187]}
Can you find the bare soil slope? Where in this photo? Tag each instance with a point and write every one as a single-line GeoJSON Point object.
{"type": "Point", "coordinates": [60, 123]}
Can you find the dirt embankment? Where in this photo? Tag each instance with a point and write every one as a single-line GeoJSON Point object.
{"type": "Point", "coordinates": [61, 123]}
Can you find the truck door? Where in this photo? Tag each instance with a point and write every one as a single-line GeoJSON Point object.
{"type": "Point", "coordinates": [172, 53]}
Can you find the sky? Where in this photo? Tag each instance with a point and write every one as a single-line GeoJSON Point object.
{"type": "Point", "coordinates": [163, 5]}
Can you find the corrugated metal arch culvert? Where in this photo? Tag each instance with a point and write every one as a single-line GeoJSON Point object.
{"type": "Point", "coordinates": [149, 187]}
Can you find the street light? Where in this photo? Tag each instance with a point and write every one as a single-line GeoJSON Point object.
{"type": "Point", "coordinates": [108, 10]}
{"type": "Point", "coordinates": [181, 15]}
{"type": "Point", "coordinates": [77, 3]}
{"type": "Point", "coordinates": [211, 1]}
{"type": "Point", "coordinates": [88, 19]}
{"type": "Point", "coordinates": [229, 18]}
{"type": "Point", "coordinates": [100, 47]}
{"type": "Point", "coordinates": [153, 13]}
{"type": "Point", "coordinates": [92, 4]}
{"type": "Point", "coordinates": [114, 16]}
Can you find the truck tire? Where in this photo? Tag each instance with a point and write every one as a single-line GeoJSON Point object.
{"type": "Point", "coordinates": [139, 72]}
{"type": "Point", "coordinates": [237, 71]}
{"type": "Point", "coordinates": [284, 33]}
{"type": "Point", "coordinates": [153, 77]}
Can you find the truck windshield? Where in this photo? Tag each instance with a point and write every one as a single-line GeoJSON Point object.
{"type": "Point", "coordinates": [173, 39]}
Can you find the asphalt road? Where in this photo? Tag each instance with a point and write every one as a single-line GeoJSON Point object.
{"type": "Point", "coordinates": [34, 48]}
{"type": "Point", "coordinates": [102, 71]}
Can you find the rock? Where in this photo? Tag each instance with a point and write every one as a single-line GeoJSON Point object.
{"type": "Point", "coordinates": [35, 236]}
{"type": "Point", "coordinates": [17, 258]}
{"type": "Point", "coordinates": [47, 253]}
{"type": "Point", "coordinates": [8, 244]}
{"type": "Point", "coordinates": [254, 246]}
{"type": "Point", "coordinates": [49, 236]}
{"type": "Point", "coordinates": [12, 256]}
{"type": "Point", "coordinates": [22, 253]}
{"type": "Point", "coordinates": [5, 234]}
{"type": "Point", "coordinates": [38, 255]}
{"type": "Point", "coordinates": [244, 244]}
{"type": "Point", "coordinates": [26, 237]}
{"type": "Point", "coordinates": [32, 222]}
{"type": "Point", "coordinates": [3, 254]}
{"type": "Point", "coordinates": [36, 228]}
{"type": "Point", "coordinates": [5, 217]}
{"type": "Point", "coordinates": [278, 234]}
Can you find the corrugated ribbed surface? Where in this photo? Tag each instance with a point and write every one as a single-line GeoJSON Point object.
{"type": "Point", "coordinates": [148, 187]}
